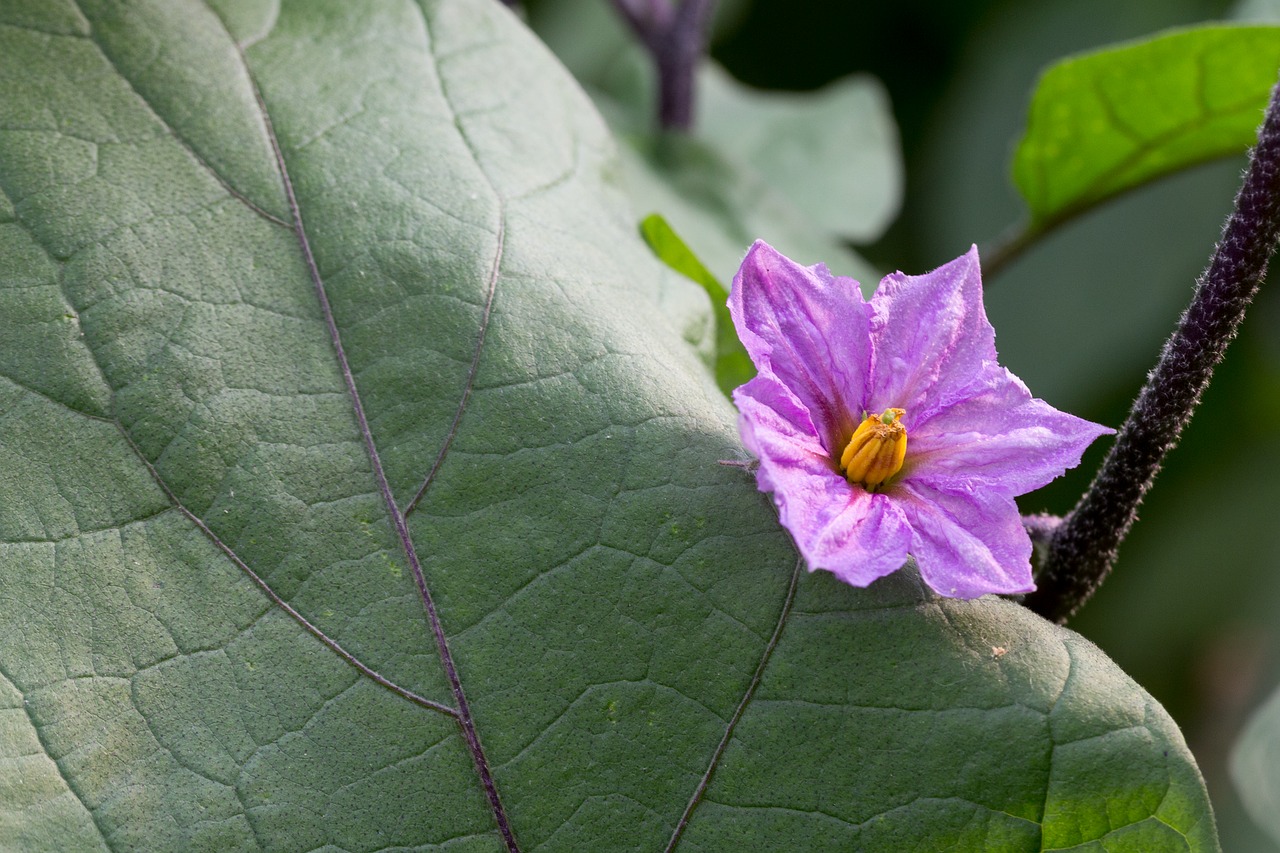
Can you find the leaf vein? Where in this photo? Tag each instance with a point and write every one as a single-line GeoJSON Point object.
{"type": "Point", "coordinates": [756, 677]}
{"type": "Point", "coordinates": [266, 588]}
{"type": "Point", "coordinates": [591, 689]}
{"type": "Point", "coordinates": [38, 393]}
{"type": "Point", "coordinates": [462, 712]}
{"type": "Point", "coordinates": [1085, 197]}
{"type": "Point", "coordinates": [66, 778]}
{"type": "Point", "coordinates": [178, 137]}
{"type": "Point", "coordinates": [472, 370]}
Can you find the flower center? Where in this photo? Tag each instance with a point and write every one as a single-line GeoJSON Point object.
{"type": "Point", "coordinates": [876, 450]}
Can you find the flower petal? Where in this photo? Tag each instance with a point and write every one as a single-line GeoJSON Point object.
{"type": "Point", "coordinates": [777, 430]}
{"type": "Point", "coordinates": [858, 536]}
{"type": "Point", "coordinates": [864, 541]}
{"type": "Point", "coordinates": [811, 330]}
{"type": "Point", "coordinates": [930, 338]}
{"type": "Point", "coordinates": [967, 545]}
{"type": "Point", "coordinates": [1000, 439]}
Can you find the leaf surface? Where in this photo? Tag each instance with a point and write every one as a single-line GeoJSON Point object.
{"type": "Point", "coordinates": [359, 490]}
{"type": "Point", "coordinates": [834, 152]}
{"type": "Point", "coordinates": [1108, 121]}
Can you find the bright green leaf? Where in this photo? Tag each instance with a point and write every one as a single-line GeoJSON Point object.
{"type": "Point", "coordinates": [732, 364]}
{"type": "Point", "coordinates": [675, 253]}
{"type": "Point", "coordinates": [232, 431]}
{"type": "Point", "coordinates": [1106, 122]}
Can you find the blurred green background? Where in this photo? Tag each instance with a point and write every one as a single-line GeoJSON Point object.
{"type": "Point", "coordinates": [1080, 317]}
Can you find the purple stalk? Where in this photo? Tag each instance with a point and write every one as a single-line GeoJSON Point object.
{"type": "Point", "coordinates": [675, 37]}
{"type": "Point", "coordinates": [1083, 548]}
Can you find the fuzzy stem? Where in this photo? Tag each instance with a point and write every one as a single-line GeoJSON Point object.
{"type": "Point", "coordinates": [1082, 550]}
{"type": "Point", "coordinates": [675, 38]}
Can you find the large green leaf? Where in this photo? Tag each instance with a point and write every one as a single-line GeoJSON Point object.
{"type": "Point", "coordinates": [337, 387]}
{"type": "Point", "coordinates": [1105, 122]}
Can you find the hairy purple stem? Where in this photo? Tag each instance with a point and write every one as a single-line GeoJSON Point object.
{"type": "Point", "coordinates": [675, 37]}
{"type": "Point", "coordinates": [1082, 550]}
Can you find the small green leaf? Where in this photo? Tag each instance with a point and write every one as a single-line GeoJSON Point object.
{"type": "Point", "coordinates": [675, 253]}
{"type": "Point", "coordinates": [733, 365]}
{"type": "Point", "coordinates": [1105, 122]}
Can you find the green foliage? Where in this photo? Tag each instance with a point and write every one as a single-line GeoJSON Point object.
{"type": "Point", "coordinates": [810, 171]}
{"type": "Point", "coordinates": [833, 153]}
{"type": "Point", "coordinates": [176, 425]}
{"type": "Point", "coordinates": [1105, 122]}
{"type": "Point", "coordinates": [733, 366]}
{"type": "Point", "coordinates": [1255, 767]}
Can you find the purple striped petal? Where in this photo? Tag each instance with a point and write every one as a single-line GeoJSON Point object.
{"type": "Point", "coordinates": [930, 337]}
{"type": "Point", "coordinates": [967, 545]}
{"type": "Point", "coordinates": [1000, 439]}
{"type": "Point", "coordinates": [811, 330]}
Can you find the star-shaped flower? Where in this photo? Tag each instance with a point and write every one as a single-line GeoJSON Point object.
{"type": "Point", "coordinates": [885, 428]}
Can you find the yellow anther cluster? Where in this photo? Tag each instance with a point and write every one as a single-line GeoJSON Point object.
{"type": "Point", "coordinates": [876, 450]}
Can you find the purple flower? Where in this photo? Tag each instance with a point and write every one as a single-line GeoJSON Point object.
{"type": "Point", "coordinates": [885, 428]}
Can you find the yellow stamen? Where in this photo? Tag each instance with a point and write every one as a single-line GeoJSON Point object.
{"type": "Point", "coordinates": [876, 450]}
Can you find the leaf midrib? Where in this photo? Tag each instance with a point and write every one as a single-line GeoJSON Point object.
{"type": "Point", "coordinates": [462, 711]}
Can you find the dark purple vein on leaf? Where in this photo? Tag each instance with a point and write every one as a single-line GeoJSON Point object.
{"type": "Point", "coordinates": [463, 716]}
{"type": "Point", "coordinates": [178, 137]}
{"type": "Point", "coordinates": [372, 674]}
{"type": "Point", "coordinates": [485, 314]}
{"type": "Point", "coordinates": [705, 782]}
